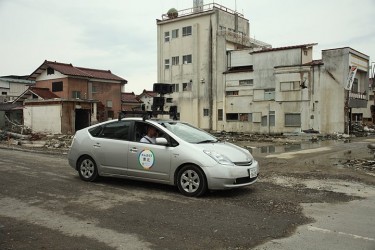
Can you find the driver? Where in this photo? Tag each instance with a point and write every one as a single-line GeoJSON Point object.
{"type": "Point", "coordinates": [150, 137]}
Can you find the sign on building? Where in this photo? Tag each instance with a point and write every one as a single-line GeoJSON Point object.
{"type": "Point", "coordinates": [351, 76]}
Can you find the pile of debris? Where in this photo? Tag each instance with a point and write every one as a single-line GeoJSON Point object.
{"type": "Point", "coordinates": [36, 140]}
{"type": "Point", "coordinates": [368, 165]}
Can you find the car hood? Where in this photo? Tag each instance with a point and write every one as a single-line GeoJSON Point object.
{"type": "Point", "coordinates": [233, 152]}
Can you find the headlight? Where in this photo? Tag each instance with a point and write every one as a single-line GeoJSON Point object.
{"type": "Point", "coordinates": [219, 157]}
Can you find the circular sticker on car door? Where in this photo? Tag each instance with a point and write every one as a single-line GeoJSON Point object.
{"type": "Point", "coordinates": [146, 159]}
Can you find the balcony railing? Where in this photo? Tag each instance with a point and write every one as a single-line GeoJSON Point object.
{"type": "Point", "coordinates": [357, 95]}
{"type": "Point", "coordinates": [204, 8]}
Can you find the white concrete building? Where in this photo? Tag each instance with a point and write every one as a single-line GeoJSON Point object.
{"type": "Point", "coordinates": [223, 80]}
{"type": "Point", "coordinates": [192, 46]}
{"type": "Point", "coordinates": [283, 90]}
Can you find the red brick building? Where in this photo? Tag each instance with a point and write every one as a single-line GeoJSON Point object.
{"type": "Point", "coordinates": [77, 83]}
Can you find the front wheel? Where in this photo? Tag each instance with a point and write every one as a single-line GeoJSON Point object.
{"type": "Point", "coordinates": [191, 181]}
{"type": "Point", "coordinates": [87, 169]}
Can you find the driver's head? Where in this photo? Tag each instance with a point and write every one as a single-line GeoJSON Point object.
{"type": "Point", "coordinates": [151, 131]}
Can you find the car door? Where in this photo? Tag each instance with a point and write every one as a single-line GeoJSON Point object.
{"type": "Point", "coordinates": [146, 160]}
{"type": "Point", "coordinates": [111, 147]}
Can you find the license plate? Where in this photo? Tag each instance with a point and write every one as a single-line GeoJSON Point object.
{"type": "Point", "coordinates": [252, 172]}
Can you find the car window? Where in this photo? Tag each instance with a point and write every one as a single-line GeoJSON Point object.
{"type": "Point", "coordinates": [140, 130]}
{"type": "Point", "coordinates": [115, 130]}
{"type": "Point", "coordinates": [189, 133]}
{"type": "Point", "coordinates": [95, 131]}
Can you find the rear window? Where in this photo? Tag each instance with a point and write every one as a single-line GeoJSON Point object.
{"type": "Point", "coordinates": [115, 130]}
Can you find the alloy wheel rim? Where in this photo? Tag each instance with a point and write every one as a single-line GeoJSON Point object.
{"type": "Point", "coordinates": [87, 168]}
{"type": "Point", "coordinates": [190, 181]}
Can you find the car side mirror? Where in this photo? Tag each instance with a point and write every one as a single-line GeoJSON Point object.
{"type": "Point", "coordinates": [161, 141]}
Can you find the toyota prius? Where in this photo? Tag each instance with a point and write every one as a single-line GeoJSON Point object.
{"type": "Point", "coordinates": [180, 155]}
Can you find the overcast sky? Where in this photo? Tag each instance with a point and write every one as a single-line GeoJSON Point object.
{"type": "Point", "coordinates": [120, 35]}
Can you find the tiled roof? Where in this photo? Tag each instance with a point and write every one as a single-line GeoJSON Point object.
{"type": "Point", "coordinates": [43, 93]}
{"type": "Point", "coordinates": [70, 70]}
{"type": "Point", "coordinates": [149, 93]}
{"type": "Point", "coordinates": [284, 48]}
{"type": "Point", "coordinates": [130, 98]}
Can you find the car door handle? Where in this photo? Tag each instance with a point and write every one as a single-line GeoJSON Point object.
{"type": "Point", "coordinates": [133, 150]}
{"type": "Point", "coordinates": [97, 145]}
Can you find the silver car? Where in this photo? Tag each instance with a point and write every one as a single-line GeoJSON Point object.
{"type": "Point", "coordinates": [183, 155]}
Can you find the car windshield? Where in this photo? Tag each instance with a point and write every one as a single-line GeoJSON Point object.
{"type": "Point", "coordinates": [189, 133]}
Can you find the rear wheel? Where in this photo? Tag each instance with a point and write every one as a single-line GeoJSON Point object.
{"type": "Point", "coordinates": [191, 181]}
{"type": "Point", "coordinates": [87, 169]}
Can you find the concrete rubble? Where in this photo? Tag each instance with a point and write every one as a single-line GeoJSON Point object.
{"type": "Point", "coordinates": [61, 143]}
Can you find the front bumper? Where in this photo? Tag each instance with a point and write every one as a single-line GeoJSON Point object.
{"type": "Point", "coordinates": [227, 177]}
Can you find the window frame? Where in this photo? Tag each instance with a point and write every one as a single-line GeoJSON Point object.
{"type": "Point", "coordinates": [187, 59]}
{"type": "Point", "coordinates": [246, 82]}
{"type": "Point", "coordinates": [166, 63]}
{"type": "Point", "coordinates": [187, 31]}
{"type": "Point", "coordinates": [166, 36]}
{"type": "Point", "coordinates": [76, 94]}
{"type": "Point", "coordinates": [175, 60]}
{"type": "Point", "coordinates": [290, 124]}
{"type": "Point", "coordinates": [57, 86]}
{"type": "Point", "coordinates": [175, 33]}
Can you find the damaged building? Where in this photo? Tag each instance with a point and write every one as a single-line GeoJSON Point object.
{"type": "Point", "coordinates": [66, 98]}
{"type": "Point", "coordinates": [224, 80]}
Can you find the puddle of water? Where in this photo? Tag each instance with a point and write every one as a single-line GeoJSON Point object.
{"type": "Point", "coordinates": [273, 149]}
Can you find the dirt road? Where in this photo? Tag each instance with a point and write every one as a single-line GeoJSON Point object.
{"type": "Point", "coordinates": [44, 205]}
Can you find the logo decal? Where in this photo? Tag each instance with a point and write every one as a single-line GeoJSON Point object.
{"type": "Point", "coordinates": [146, 159]}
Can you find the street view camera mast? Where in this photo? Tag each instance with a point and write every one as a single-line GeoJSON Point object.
{"type": "Point", "coordinates": [158, 104]}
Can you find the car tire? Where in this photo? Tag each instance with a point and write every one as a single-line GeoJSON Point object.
{"type": "Point", "coordinates": [87, 169]}
{"type": "Point", "coordinates": [191, 181]}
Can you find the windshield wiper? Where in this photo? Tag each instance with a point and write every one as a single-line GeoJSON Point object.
{"type": "Point", "coordinates": [207, 141]}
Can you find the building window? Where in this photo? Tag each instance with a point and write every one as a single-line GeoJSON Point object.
{"type": "Point", "coordinates": [269, 94]}
{"type": "Point", "coordinates": [232, 116]}
{"type": "Point", "coordinates": [206, 112]}
{"type": "Point", "coordinates": [57, 86]}
{"type": "Point", "coordinates": [175, 33]}
{"type": "Point", "coordinates": [272, 119]}
{"type": "Point", "coordinates": [229, 93]}
{"type": "Point", "coordinates": [50, 71]}
{"type": "Point", "coordinates": [166, 64]}
{"type": "Point", "coordinates": [288, 86]}
{"type": "Point", "coordinates": [175, 60]}
{"type": "Point", "coordinates": [264, 121]}
{"type": "Point", "coordinates": [244, 117]}
{"type": "Point", "coordinates": [111, 114]}
{"type": "Point", "coordinates": [219, 114]}
{"type": "Point", "coordinates": [94, 89]}
{"type": "Point", "coordinates": [186, 86]}
{"type": "Point", "coordinates": [250, 117]}
{"type": "Point", "coordinates": [186, 31]}
{"type": "Point", "coordinates": [169, 100]}
{"type": "Point", "coordinates": [355, 85]}
{"type": "Point", "coordinates": [166, 36]}
{"type": "Point", "coordinates": [4, 93]}
{"type": "Point", "coordinates": [292, 120]}
{"type": "Point", "coordinates": [305, 52]}
{"type": "Point", "coordinates": [187, 59]}
{"type": "Point", "coordinates": [109, 104]}
{"type": "Point", "coordinates": [76, 94]}
{"type": "Point", "coordinates": [248, 82]}
{"type": "Point", "coordinates": [176, 87]}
